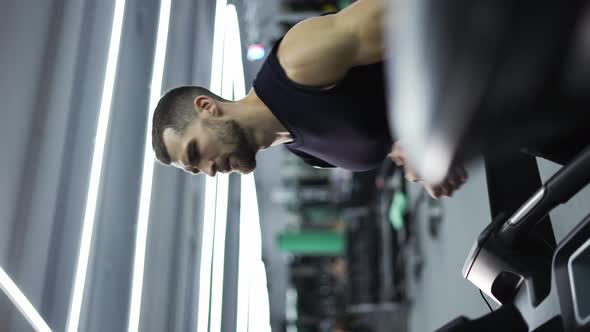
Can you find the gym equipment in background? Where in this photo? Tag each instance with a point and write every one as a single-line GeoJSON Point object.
{"type": "Point", "coordinates": [498, 77]}
{"type": "Point", "coordinates": [518, 267]}
{"type": "Point", "coordinates": [341, 232]}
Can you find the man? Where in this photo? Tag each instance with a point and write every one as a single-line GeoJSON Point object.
{"type": "Point", "coordinates": [320, 92]}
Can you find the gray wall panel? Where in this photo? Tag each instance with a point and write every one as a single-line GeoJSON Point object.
{"type": "Point", "coordinates": [46, 146]}
{"type": "Point", "coordinates": [174, 238]}
{"type": "Point", "coordinates": [77, 157]}
{"type": "Point", "coordinates": [40, 58]}
{"type": "Point", "coordinates": [109, 277]}
{"type": "Point", "coordinates": [21, 65]}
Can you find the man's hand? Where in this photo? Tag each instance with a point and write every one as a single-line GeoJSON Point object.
{"type": "Point", "coordinates": [452, 182]}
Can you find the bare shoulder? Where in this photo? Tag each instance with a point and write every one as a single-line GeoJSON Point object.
{"type": "Point", "coordinates": [302, 54]}
{"type": "Point", "coordinates": [319, 51]}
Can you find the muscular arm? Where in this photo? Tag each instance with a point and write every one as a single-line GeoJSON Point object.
{"type": "Point", "coordinates": [319, 51]}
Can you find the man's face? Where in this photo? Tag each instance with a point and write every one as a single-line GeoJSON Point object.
{"type": "Point", "coordinates": [211, 145]}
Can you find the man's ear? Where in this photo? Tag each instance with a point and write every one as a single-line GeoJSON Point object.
{"type": "Point", "coordinates": [208, 105]}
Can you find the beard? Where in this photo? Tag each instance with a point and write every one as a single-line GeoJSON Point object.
{"type": "Point", "coordinates": [235, 142]}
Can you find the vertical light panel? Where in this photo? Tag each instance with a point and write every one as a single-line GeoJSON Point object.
{"type": "Point", "coordinates": [250, 242]}
{"type": "Point", "coordinates": [258, 310]}
{"type": "Point", "coordinates": [143, 213]}
{"type": "Point", "coordinates": [236, 66]}
{"type": "Point", "coordinates": [205, 267]}
{"type": "Point", "coordinates": [228, 73]}
{"type": "Point", "coordinates": [217, 56]}
{"type": "Point", "coordinates": [253, 307]}
{"type": "Point", "coordinates": [249, 219]}
{"type": "Point", "coordinates": [218, 259]}
{"type": "Point", "coordinates": [252, 310]}
{"type": "Point", "coordinates": [22, 303]}
{"type": "Point", "coordinates": [206, 254]}
{"type": "Point", "coordinates": [96, 169]}
{"type": "Point", "coordinates": [291, 308]}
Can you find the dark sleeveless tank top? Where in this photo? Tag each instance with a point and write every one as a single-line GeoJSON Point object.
{"type": "Point", "coordinates": [343, 126]}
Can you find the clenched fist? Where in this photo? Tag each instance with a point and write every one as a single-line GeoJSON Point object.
{"type": "Point", "coordinates": [455, 178]}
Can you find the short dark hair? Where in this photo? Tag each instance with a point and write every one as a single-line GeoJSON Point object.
{"type": "Point", "coordinates": [175, 110]}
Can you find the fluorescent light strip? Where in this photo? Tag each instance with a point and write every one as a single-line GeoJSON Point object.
{"type": "Point", "coordinates": [148, 169]}
{"type": "Point", "coordinates": [248, 220]}
{"type": "Point", "coordinates": [249, 256]}
{"type": "Point", "coordinates": [249, 243]}
{"type": "Point", "coordinates": [217, 57]}
{"type": "Point", "coordinates": [253, 307]}
{"type": "Point", "coordinates": [291, 309]}
{"type": "Point", "coordinates": [258, 317]}
{"type": "Point", "coordinates": [252, 310]}
{"type": "Point", "coordinates": [22, 303]}
{"type": "Point", "coordinates": [229, 70]}
{"type": "Point", "coordinates": [96, 169]}
{"type": "Point", "coordinates": [218, 259]}
{"type": "Point", "coordinates": [259, 311]}
{"type": "Point", "coordinates": [235, 44]}
{"type": "Point", "coordinates": [211, 183]}
{"type": "Point", "coordinates": [206, 254]}
{"type": "Point", "coordinates": [255, 318]}
{"type": "Point", "coordinates": [247, 214]}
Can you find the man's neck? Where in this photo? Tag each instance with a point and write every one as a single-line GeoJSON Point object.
{"type": "Point", "coordinates": [256, 117]}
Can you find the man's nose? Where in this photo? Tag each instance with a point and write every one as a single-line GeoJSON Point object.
{"type": "Point", "coordinates": [208, 167]}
